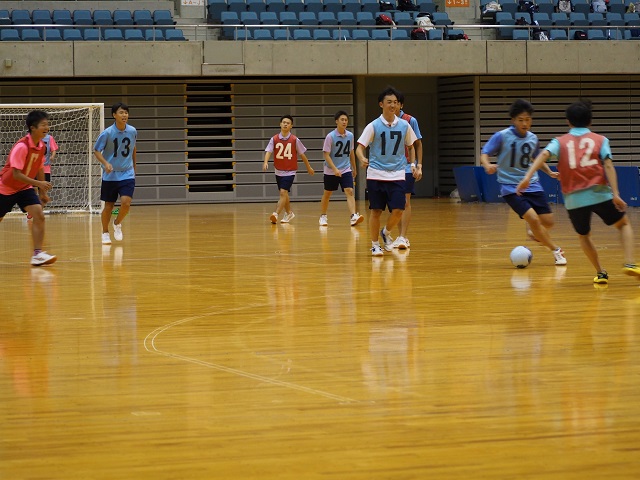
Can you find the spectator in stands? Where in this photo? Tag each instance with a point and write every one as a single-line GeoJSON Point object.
{"type": "Point", "coordinates": [589, 184]}
{"type": "Point", "coordinates": [386, 138]}
{"type": "Point", "coordinates": [22, 171]}
{"type": "Point", "coordinates": [115, 149]}
{"type": "Point", "coordinates": [287, 147]}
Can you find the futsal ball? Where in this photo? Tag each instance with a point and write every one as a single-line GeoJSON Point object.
{"type": "Point", "coordinates": [521, 257]}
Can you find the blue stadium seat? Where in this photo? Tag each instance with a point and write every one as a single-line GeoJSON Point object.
{"type": "Point", "coordinates": [503, 16]}
{"type": "Point", "coordinates": [113, 34]}
{"type": "Point", "coordinates": [276, 6]}
{"type": "Point", "coordinates": [578, 19]}
{"type": "Point", "coordinates": [122, 17]}
{"type": "Point", "coordinates": [315, 6]}
{"type": "Point", "coordinates": [288, 18]}
{"type": "Point", "coordinates": [302, 34]}
{"type": "Point", "coordinates": [455, 34]}
{"type": "Point", "coordinates": [365, 19]}
{"type": "Point", "coordinates": [504, 32]}
{"type": "Point", "coordinates": [9, 35]}
{"type": "Point", "coordinates": [237, 6]}
{"type": "Point", "coordinates": [269, 18]}
{"type": "Point", "coordinates": [296, 6]}
{"type": "Point", "coordinates": [41, 17]}
{"type": "Point", "coordinates": [102, 17]}
{"type": "Point", "coordinates": [520, 34]}
{"type": "Point", "coordinates": [615, 34]}
{"type": "Point", "coordinates": [632, 19]}
{"type": "Point", "coordinates": [346, 19]}
{"type": "Point", "coordinates": [249, 18]}
{"type": "Point", "coordinates": [62, 17]}
{"type": "Point", "coordinates": [133, 34]}
{"type": "Point", "coordinates": [142, 17]}
{"type": "Point", "coordinates": [30, 35]}
{"type": "Point", "coordinates": [380, 35]}
{"type": "Point", "coordinates": [307, 18]}
{"type": "Point", "coordinates": [5, 18]}
{"type": "Point", "coordinates": [581, 7]}
{"type": "Point", "coordinates": [352, 6]}
{"type": "Point", "coordinates": [321, 34]}
{"type": "Point", "coordinates": [435, 34]}
{"type": "Point", "coordinates": [547, 8]}
{"type": "Point", "coordinates": [399, 34]}
{"type": "Point", "coordinates": [262, 35]}
{"type": "Point", "coordinates": [334, 6]}
{"type": "Point", "coordinates": [174, 35]}
{"type": "Point", "coordinates": [441, 18]}
{"type": "Point", "coordinates": [82, 17]}
{"type": "Point", "coordinates": [557, 34]}
{"type": "Point", "coordinates": [243, 35]}
{"type": "Point", "coordinates": [71, 35]}
{"type": "Point", "coordinates": [371, 6]}
{"type": "Point", "coordinates": [560, 19]}
{"type": "Point", "coordinates": [163, 17]}
{"type": "Point", "coordinates": [403, 19]}
{"type": "Point", "coordinates": [327, 18]}
{"type": "Point", "coordinates": [280, 34]}
{"type": "Point", "coordinates": [21, 17]}
{"type": "Point", "coordinates": [617, 8]}
{"type": "Point", "coordinates": [228, 18]}
{"type": "Point", "coordinates": [360, 35]}
{"type": "Point", "coordinates": [341, 34]}
{"type": "Point", "coordinates": [151, 34]}
{"type": "Point", "coordinates": [214, 7]}
{"type": "Point", "coordinates": [256, 6]}
{"type": "Point", "coordinates": [91, 34]}
{"type": "Point", "coordinates": [51, 35]}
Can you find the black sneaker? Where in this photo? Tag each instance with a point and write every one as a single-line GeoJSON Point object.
{"type": "Point", "coordinates": [601, 278]}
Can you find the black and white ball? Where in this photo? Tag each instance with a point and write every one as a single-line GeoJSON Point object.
{"type": "Point", "coordinates": [521, 257]}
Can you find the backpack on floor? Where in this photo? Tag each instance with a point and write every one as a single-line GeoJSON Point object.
{"type": "Point", "coordinates": [418, 34]}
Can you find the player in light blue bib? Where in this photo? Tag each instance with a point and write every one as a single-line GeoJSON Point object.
{"type": "Point", "coordinates": [515, 148]}
{"type": "Point", "coordinates": [115, 149]}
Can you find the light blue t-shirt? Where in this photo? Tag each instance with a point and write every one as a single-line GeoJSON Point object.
{"type": "Point", "coordinates": [117, 148]}
{"type": "Point", "coordinates": [416, 129]}
{"type": "Point", "coordinates": [592, 195]}
{"type": "Point", "coordinates": [513, 155]}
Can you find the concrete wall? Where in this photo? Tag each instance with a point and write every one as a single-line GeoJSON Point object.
{"type": "Point", "coordinates": [224, 58]}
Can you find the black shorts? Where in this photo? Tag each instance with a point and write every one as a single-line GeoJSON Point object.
{"type": "Point", "coordinates": [285, 182]}
{"type": "Point", "coordinates": [386, 194]}
{"type": "Point", "coordinates": [23, 198]}
{"type": "Point", "coordinates": [522, 203]}
{"type": "Point", "coordinates": [581, 217]}
{"type": "Point", "coordinates": [332, 182]}
{"type": "Point", "coordinates": [109, 190]}
{"type": "Point", "coordinates": [409, 183]}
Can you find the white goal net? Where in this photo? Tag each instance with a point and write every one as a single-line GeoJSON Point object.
{"type": "Point", "coordinates": [75, 173]}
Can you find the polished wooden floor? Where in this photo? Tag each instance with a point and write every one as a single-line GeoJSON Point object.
{"type": "Point", "coordinates": [210, 344]}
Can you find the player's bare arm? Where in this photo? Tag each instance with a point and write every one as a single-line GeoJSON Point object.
{"type": "Point", "coordinates": [364, 161]}
{"type": "Point", "coordinates": [265, 165]}
{"type": "Point", "coordinates": [489, 168]}
{"type": "Point", "coordinates": [310, 170]}
{"type": "Point", "coordinates": [332, 166]}
{"type": "Point", "coordinates": [612, 178]}
{"type": "Point", "coordinates": [107, 166]}
{"type": "Point", "coordinates": [540, 160]}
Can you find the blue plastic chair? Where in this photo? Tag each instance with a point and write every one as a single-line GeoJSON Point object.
{"type": "Point", "coordinates": [9, 35]}
{"type": "Point", "coordinates": [142, 17]}
{"type": "Point", "coordinates": [113, 34]}
{"type": "Point", "coordinates": [520, 34]}
{"type": "Point", "coordinates": [72, 35]}
{"type": "Point", "coordinates": [82, 17]}
{"type": "Point", "coordinates": [380, 35]}
{"type": "Point", "coordinates": [51, 35]}
{"type": "Point", "coordinates": [163, 17]}
{"type": "Point", "coordinates": [321, 34]}
{"type": "Point", "coordinates": [151, 35]}
{"type": "Point", "coordinates": [302, 34]}
{"type": "Point", "coordinates": [557, 34]}
{"type": "Point", "coordinates": [174, 35]}
{"type": "Point", "coordinates": [5, 18]}
{"type": "Point", "coordinates": [243, 35]}
{"type": "Point", "coordinates": [122, 17]}
{"type": "Point", "coordinates": [360, 35]}
{"type": "Point", "coordinates": [91, 34]}
{"type": "Point", "coordinates": [280, 34]}
{"type": "Point", "coordinates": [62, 17]}
{"type": "Point", "coordinates": [133, 34]}
{"type": "Point", "coordinates": [435, 34]}
{"type": "Point", "coordinates": [102, 17]}
{"type": "Point", "coordinates": [21, 17]}
{"type": "Point", "coordinates": [41, 17]}
{"type": "Point", "coordinates": [30, 35]}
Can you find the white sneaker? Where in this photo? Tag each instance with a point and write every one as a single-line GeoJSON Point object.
{"type": "Point", "coordinates": [400, 243]}
{"type": "Point", "coordinates": [406, 240]}
{"type": "Point", "coordinates": [43, 258]}
{"type": "Point", "coordinates": [376, 251]}
{"type": "Point", "coordinates": [117, 232]}
{"type": "Point", "coordinates": [559, 256]}
{"type": "Point", "coordinates": [356, 218]}
{"type": "Point", "coordinates": [106, 239]}
{"type": "Point", "coordinates": [388, 241]}
{"type": "Point", "coordinates": [288, 217]}
{"type": "Point", "coordinates": [274, 217]}
{"type": "Point", "coordinates": [323, 221]}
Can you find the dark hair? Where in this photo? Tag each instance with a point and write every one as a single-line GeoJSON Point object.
{"type": "Point", "coordinates": [386, 92]}
{"type": "Point", "coordinates": [520, 106]}
{"type": "Point", "coordinates": [286, 116]}
{"type": "Point", "coordinates": [400, 96]}
{"type": "Point", "coordinates": [339, 113]}
{"type": "Point", "coordinates": [579, 113]}
{"type": "Point", "coordinates": [34, 117]}
{"type": "Point", "coordinates": [118, 105]}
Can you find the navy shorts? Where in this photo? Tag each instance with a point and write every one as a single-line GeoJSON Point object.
{"type": "Point", "coordinates": [285, 182]}
{"type": "Point", "coordinates": [386, 194]}
{"type": "Point", "coordinates": [109, 190]}
{"type": "Point", "coordinates": [522, 204]}
{"type": "Point", "coordinates": [409, 183]}
{"type": "Point", "coordinates": [23, 198]}
{"type": "Point", "coordinates": [332, 182]}
{"type": "Point", "coordinates": [581, 217]}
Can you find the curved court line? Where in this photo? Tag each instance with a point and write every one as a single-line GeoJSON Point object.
{"type": "Point", "coordinates": [149, 345]}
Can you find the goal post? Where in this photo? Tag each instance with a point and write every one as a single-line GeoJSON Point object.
{"type": "Point", "coordinates": [75, 173]}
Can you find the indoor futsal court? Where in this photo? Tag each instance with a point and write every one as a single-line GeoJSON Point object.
{"type": "Point", "coordinates": [211, 344]}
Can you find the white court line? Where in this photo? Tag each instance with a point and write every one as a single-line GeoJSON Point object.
{"type": "Point", "coordinates": [149, 345]}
